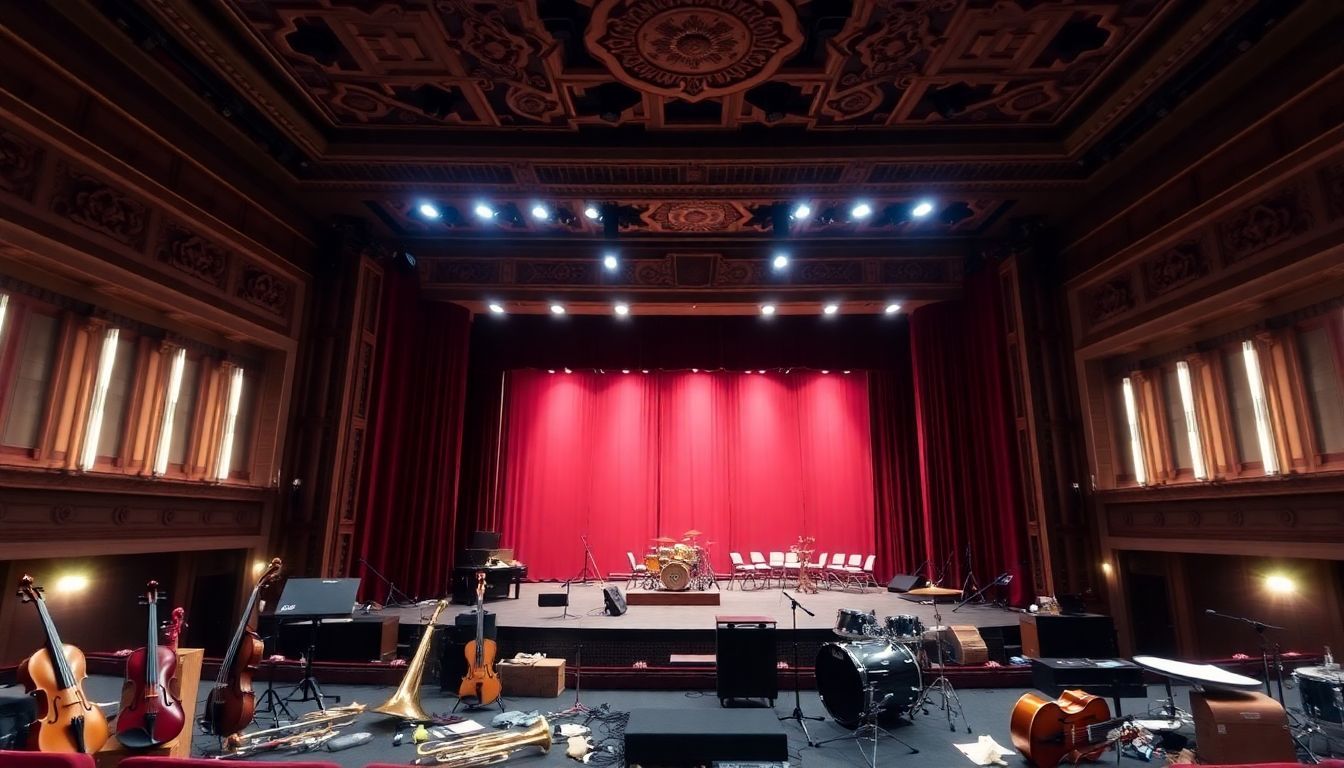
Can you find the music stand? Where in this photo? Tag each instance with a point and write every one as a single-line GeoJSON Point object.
{"type": "Point", "coordinates": [315, 600]}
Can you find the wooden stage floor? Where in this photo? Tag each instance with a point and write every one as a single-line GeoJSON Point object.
{"type": "Point", "coordinates": [586, 603]}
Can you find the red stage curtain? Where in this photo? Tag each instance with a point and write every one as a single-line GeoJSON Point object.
{"type": "Point", "coordinates": [753, 461]}
{"type": "Point", "coordinates": [968, 459]}
{"type": "Point", "coordinates": [406, 516]}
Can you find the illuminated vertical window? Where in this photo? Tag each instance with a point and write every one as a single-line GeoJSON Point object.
{"type": "Point", "coordinates": [1191, 423]}
{"type": "Point", "coordinates": [1263, 430]}
{"type": "Point", "coordinates": [107, 358]}
{"type": "Point", "coordinates": [230, 422]}
{"type": "Point", "coordinates": [1135, 444]}
{"type": "Point", "coordinates": [4, 305]}
{"type": "Point", "coordinates": [169, 412]}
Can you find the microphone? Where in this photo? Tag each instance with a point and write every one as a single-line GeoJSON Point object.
{"type": "Point", "coordinates": [1209, 610]}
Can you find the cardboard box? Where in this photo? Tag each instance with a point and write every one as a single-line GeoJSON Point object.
{"type": "Point", "coordinates": [543, 678]}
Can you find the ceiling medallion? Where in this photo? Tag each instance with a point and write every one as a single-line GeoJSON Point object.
{"type": "Point", "coordinates": [693, 49]}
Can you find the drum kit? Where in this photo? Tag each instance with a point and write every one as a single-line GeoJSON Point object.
{"type": "Point", "coordinates": [875, 662]}
{"type": "Point", "coordinates": [679, 565]}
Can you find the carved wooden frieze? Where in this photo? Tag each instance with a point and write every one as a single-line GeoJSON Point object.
{"type": "Point", "coordinates": [706, 216]}
{"type": "Point", "coordinates": [1305, 517]}
{"type": "Point", "coordinates": [19, 164]}
{"type": "Point", "coordinates": [35, 517]}
{"type": "Point", "coordinates": [1113, 297]}
{"type": "Point", "coordinates": [1269, 221]}
{"type": "Point", "coordinates": [265, 289]}
{"type": "Point", "coordinates": [193, 255]}
{"type": "Point", "coordinates": [94, 204]}
{"type": "Point", "coordinates": [464, 271]}
{"type": "Point", "coordinates": [1174, 267]}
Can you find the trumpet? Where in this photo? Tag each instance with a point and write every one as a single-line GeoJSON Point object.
{"type": "Point", "coordinates": [313, 726]}
{"type": "Point", "coordinates": [485, 748]}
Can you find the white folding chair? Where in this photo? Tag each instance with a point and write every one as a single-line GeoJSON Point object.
{"type": "Point", "coordinates": [835, 570]}
{"type": "Point", "coordinates": [852, 573]}
{"type": "Point", "coordinates": [776, 563]}
{"type": "Point", "coordinates": [742, 570]}
{"type": "Point", "coordinates": [762, 567]}
{"type": "Point", "coordinates": [792, 567]}
{"type": "Point", "coordinates": [869, 580]}
{"type": "Point", "coordinates": [637, 570]}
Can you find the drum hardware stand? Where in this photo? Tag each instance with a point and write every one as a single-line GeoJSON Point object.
{"type": "Point", "coordinates": [270, 702]}
{"type": "Point", "coordinates": [585, 575]}
{"type": "Point", "coordinates": [950, 700]}
{"type": "Point", "coordinates": [578, 708]}
{"type": "Point", "coordinates": [1002, 578]}
{"type": "Point", "coordinates": [947, 565]}
{"type": "Point", "coordinates": [392, 598]}
{"type": "Point", "coordinates": [1268, 650]}
{"type": "Point", "coordinates": [870, 728]}
{"type": "Point", "coordinates": [797, 714]}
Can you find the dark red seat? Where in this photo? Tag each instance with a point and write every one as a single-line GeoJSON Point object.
{"type": "Point", "coordinates": [183, 762]}
{"type": "Point", "coordinates": [10, 759]}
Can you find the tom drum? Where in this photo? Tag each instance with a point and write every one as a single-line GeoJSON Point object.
{"type": "Point", "coordinates": [851, 676]}
{"type": "Point", "coordinates": [1322, 692]}
{"type": "Point", "coordinates": [855, 625]}
{"type": "Point", "coordinates": [652, 563]}
{"type": "Point", "coordinates": [905, 628]}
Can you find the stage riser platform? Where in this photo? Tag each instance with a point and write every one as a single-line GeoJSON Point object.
{"type": "Point", "coordinates": [671, 598]}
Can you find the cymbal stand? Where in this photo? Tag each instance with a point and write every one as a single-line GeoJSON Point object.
{"type": "Point", "coordinates": [797, 714]}
{"type": "Point", "coordinates": [950, 700]}
{"type": "Point", "coordinates": [395, 597]}
{"type": "Point", "coordinates": [1002, 578]}
{"type": "Point", "coordinates": [578, 708]}
{"type": "Point", "coordinates": [585, 575]}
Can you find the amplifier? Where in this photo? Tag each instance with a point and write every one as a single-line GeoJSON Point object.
{"type": "Point", "coordinates": [745, 658]}
{"type": "Point", "coordinates": [452, 642]}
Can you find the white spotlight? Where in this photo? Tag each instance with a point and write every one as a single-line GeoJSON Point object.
{"type": "Point", "coordinates": [592, 212]}
{"type": "Point", "coordinates": [922, 208]}
{"type": "Point", "coordinates": [484, 211]}
{"type": "Point", "coordinates": [892, 308]}
{"type": "Point", "coordinates": [861, 211]}
{"type": "Point", "coordinates": [622, 309]}
{"type": "Point", "coordinates": [610, 262]}
{"type": "Point", "coordinates": [1280, 584]}
{"type": "Point", "coordinates": [767, 309]}
{"type": "Point", "coordinates": [802, 211]}
{"type": "Point", "coordinates": [539, 211]}
{"type": "Point", "coordinates": [825, 372]}
{"type": "Point", "coordinates": [430, 211]}
{"type": "Point", "coordinates": [72, 582]}
{"type": "Point", "coordinates": [625, 370]}
{"type": "Point", "coordinates": [830, 309]}
{"type": "Point", "coordinates": [780, 261]}
{"type": "Point", "coordinates": [497, 308]}
{"type": "Point", "coordinates": [568, 371]}
{"type": "Point", "coordinates": [557, 309]}
{"type": "Point", "coordinates": [761, 371]}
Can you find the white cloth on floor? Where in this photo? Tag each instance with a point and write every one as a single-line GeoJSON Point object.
{"type": "Point", "coordinates": [986, 751]}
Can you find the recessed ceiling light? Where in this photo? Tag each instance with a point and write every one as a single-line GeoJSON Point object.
{"type": "Point", "coordinates": [830, 309]}
{"type": "Point", "coordinates": [592, 212]}
{"type": "Point", "coordinates": [625, 370]}
{"type": "Point", "coordinates": [780, 261]}
{"type": "Point", "coordinates": [550, 370]}
{"type": "Point", "coordinates": [540, 211]}
{"type": "Point", "coordinates": [826, 372]}
{"type": "Point", "coordinates": [484, 211]}
{"type": "Point", "coordinates": [861, 211]}
{"type": "Point", "coordinates": [922, 208]}
{"type": "Point", "coordinates": [557, 309]}
{"type": "Point", "coordinates": [430, 211]}
{"type": "Point", "coordinates": [568, 371]}
{"type": "Point", "coordinates": [802, 211]}
{"type": "Point", "coordinates": [610, 262]}
{"type": "Point", "coordinates": [622, 309]}
{"type": "Point", "coordinates": [497, 308]}
{"type": "Point", "coordinates": [767, 309]}
{"type": "Point", "coordinates": [892, 308]}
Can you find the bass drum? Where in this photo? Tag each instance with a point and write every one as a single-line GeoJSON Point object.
{"type": "Point", "coordinates": [675, 576]}
{"type": "Point", "coordinates": [850, 676]}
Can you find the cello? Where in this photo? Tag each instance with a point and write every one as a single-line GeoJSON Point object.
{"type": "Point", "coordinates": [151, 707]}
{"type": "Point", "coordinates": [232, 703]}
{"type": "Point", "coordinates": [480, 686]}
{"type": "Point", "coordinates": [67, 719]}
{"type": "Point", "coordinates": [1077, 726]}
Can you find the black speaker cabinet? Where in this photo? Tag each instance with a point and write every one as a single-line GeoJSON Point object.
{"type": "Point", "coordinates": [552, 599]}
{"type": "Point", "coordinates": [453, 646]}
{"type": "Point", "coordinates": [904, 582]}
{"type": "Point", "coordinates": [614, 600]}
{"type": "Point", "coordinates": [745, 658]}
{"type": "Point", "coordinates": [17, 711]}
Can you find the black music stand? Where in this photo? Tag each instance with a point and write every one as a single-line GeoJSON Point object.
{"type": "Point", "coordinates": [315, 600]}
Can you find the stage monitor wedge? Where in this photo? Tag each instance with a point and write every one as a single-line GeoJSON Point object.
{"type": "Point", "coordinates": [904, 582]}
{"type": "Point", "coordinates": [614, 600]}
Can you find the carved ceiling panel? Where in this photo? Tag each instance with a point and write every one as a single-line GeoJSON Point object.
{"type": "Point", "coordinates": [696, 64]}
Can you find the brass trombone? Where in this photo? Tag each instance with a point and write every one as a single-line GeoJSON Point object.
{"type": "Point", "coordinates": [313, 725]}
{"type": "Point", "coordinates": [484, 748]}
{"type": "Point", "coordinates": [405, 701]}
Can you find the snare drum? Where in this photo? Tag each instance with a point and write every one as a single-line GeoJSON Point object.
{"type": "Point", "coordinates": [855, 625]}
{"type": "Point", "coordinates": [904, 627]}
{"type": "Point", "coordinates": [1322, 693]}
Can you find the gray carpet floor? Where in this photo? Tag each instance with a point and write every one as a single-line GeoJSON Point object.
{"type": "Point", "coordinates": [986, 712]}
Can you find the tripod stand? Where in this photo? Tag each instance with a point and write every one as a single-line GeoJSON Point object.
{"type": "Point", "coordinates": [941, 684]}
{"type": "Point", "coordinates": [308, 688]}
{"type": "Point", "coordinates": [270, 702]}
{"type": "Point", "coordinates": [584, 574]}
{"type": "Point", "coordinates": [870, 728]}
{"type": "Point", "coordinates": [578, 708]}
{"type": "Point", "coordinates": [969, 584]}
{"type": "Point", "coordinates": [392, 598]}
{"type": "Point", "coordinates": [1002, 578]}
{"type": "Point", "coordinates": [797, 714]}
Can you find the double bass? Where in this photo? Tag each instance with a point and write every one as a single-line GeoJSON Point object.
{"type": "Point", "coordinates": [480, 686]}
{"type": "Point", "coordinates": [1077, 726]}
{"type": "Point", "coordinates": [231, 704]}
{"type": "Point", "coordinates": [151, 707]}
{"type": "Point", "coordinates": [67, 719]}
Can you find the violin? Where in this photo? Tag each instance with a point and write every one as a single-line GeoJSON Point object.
{"type": "Point", "coordinates": [1076, 726]}
{"type": "Point", "coordinates": [231, 704]}
{"type": "Point", "coordinates": [67, 719]}
{"type": "Point", "coordinates": [174, 628]}
{"type": "Point", "coordinates": [480, 686]}
{"type": "Point", "coordinates": [151, 706]}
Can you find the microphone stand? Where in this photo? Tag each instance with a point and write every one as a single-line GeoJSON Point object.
{"type": "Point", "coordinates": [392, 590]}
{"type": "Point", "coordinates": [1002, 578]}
{"type": "Point", "coordinates": [797, 714]}
{"type": "Point", "coordinates": [1265, 652]}
{"type": "Point", "coordinates": [947, 564]}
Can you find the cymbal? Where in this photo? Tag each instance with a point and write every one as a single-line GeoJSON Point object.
{"type": "Point", "coordinates": [934, 592]}
{"type": "Point", "coordinates": [665, 540]}
{"type": "Point", "coordinates": [691, 534]}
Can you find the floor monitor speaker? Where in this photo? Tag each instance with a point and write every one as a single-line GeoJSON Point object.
{"type": "Point", "coordinates": [614, 600]}
{"type": "Point", "coordinates": [904, 582]}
